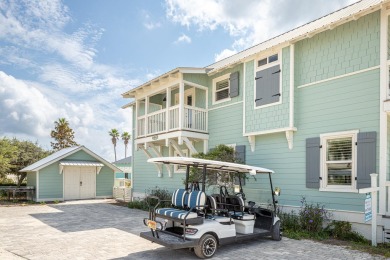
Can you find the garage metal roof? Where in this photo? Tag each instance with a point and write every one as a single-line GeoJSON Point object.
{"type": "Point", "coordinates": [81, 163]}
{"type": "Point", "coordinates": [62, 154]}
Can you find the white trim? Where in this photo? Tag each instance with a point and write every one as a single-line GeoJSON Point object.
{"type": "Point", "coordinates": [323, 173]}
{"type": "Point", "coordinates": [184, 153]}
{"type": "Point", "coordinates": [195, 85]}
{"type": "Point", "coordinates": [174, 134]}
{"type": "Point", "coordinates": [272, 131]}
{"type": "Point", "coordinates": [37, 192]}
{"type": "Point", "coordinates": [187, 93]}
{"type": "Point", "coordinates": [266, 55]}
{"type": "Point", "coordinates": [338, 77]}
{"type": "Point", "coordinates": [292, 81]}
{"type": "Point", "coordinates": [214, 87]}
{"type": "Point", "coordinates": [270, 65]}
{"type": "Point", "coordinates": [244, 99]}
{"type": "Point", "coordinates": [228, 105]}
{"type": "Point", "coordinates": [383, 90]}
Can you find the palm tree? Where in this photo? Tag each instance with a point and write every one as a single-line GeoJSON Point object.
{"type": "Point", "coordinates": [126, 137]}
{"type": "Point", "coordinates": [62, 134]}
{"type": "Point", "coordinates": [114, 133]}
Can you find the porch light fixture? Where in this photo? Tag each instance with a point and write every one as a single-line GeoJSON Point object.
{"type": "Point", "coordinates": [164, 98]}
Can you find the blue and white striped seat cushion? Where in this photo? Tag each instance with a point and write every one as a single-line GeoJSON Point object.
{"type": "Point", "coordinates": [176, 213]}
{"type": "Point", "coordinates": [196, 198]}
{"type": "Point", "coordinates": [180, 198]}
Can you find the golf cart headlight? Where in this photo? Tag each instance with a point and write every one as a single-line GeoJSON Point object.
{"type": "Point", "coordinates": [191, 231]}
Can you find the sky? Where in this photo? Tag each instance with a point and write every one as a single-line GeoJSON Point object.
{"type": "Point", "coordinates": [74, 59]}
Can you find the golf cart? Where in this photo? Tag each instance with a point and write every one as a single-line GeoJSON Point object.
{"type": "Point", "coordinates": [202, 222]}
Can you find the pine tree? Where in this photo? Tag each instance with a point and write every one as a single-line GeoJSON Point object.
{"type": "Point", "coordinates": [62, 134]}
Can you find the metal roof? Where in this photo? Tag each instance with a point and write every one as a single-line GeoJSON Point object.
{"type": "Point", "coordinates": [126, 160]}
{"type": "Point", "coordinates": [211, 165]}
{"type": "Point", "coordinates": [327, 22]}
{"type": "Point", "coordinates": [62, 154]}
{"type": "Point", "coordinates": [81, 163]}
{"type": "Point", "coordinates": [350, 12]}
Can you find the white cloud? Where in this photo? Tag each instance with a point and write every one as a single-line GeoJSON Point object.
{"type": "Point", "coordinates": [248, 22]}
{"type": "Point", "coordinates": [183, 38]}
{"type": "Point", "coordinates": [224, 54]}
{"type": "Point", "coordinates": [149, 24]}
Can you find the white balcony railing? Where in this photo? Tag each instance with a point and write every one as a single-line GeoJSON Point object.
{"type": "Point", "coordinates": [195, 119]}
{"type": "Point", "coordinates": [156, 122]}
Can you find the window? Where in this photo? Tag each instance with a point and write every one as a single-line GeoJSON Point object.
{"type": "Point", "coordinates": [341, 162]}
{"type": "Point", "coordinates": [338, 160]}
{"type": "Point", "coordinates": [267, 81]}
{"type": "Point", "coordinates": [221, 89]}
{"type": "Point", "coordinates": [268, 60]}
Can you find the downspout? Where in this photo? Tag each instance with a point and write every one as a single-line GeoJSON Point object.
{"type": "Point", "coordinates": [382, 114]}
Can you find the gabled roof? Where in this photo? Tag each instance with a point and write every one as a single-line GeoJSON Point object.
{"type": "Point", "coordinates": [62, 154]}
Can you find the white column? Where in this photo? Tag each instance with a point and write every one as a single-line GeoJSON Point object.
{"type": "Point", "coordinates": [168, 104]}
{"type": "Point", "coordinates": [374, 205]}
{"type": "Point", "coordinates": [382, 114]}
{"type": "Point", "coordinates": [146, 114]}
{"type": "Point", "coordinates": [292, 79]}
{"type": "Point", "coordinates": [181, 103]}
{"type": "Point", "coordinates": [136, 118]}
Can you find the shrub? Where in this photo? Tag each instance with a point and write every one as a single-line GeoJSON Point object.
{"type": "Point", "coordinates": [343, 230]}
{"type": "Point", "coordinates": [311, 217]}
{"type": "Point", "coordinates": [163, 194]}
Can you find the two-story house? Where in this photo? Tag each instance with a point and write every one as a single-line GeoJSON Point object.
{"type": "Point", "coordinates": [311, 104]}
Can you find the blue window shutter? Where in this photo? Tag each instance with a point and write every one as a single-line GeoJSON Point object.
{"type": "Point", "coordinates": [268, 86]}
{"type": "Point", "coordinates": [313, 162]}
{"type": "Point", "coordinates": [234, 84]}
{"type": "Point", "coordinates": [240, 153]}
{"type": "Point", "coordinates": [366, 159]}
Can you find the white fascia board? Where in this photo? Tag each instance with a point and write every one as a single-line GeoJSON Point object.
{"type": "Point", "coordinates": [56, 159]}
{"type": "Point", "coordinates": [132, 93]}
{"type": "Point", "coordinates": [106, 163]}
{"type": "Point", "coordinates": [327, 22]}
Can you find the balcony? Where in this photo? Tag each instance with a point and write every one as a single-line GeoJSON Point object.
{"type": "Point", "coordinates": [195, 119]}
{"type": "Point", "coordinates": [172, 113]}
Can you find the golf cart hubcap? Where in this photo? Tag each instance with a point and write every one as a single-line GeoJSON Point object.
{"type": "Point", "coordinates": [209, 247]}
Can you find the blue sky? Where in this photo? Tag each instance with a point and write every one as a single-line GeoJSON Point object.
{"type": "Point", "coordinates": [74, 58]}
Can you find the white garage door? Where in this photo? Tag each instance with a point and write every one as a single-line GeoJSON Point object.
{"type": "Point", "coordinates": [79, 182]}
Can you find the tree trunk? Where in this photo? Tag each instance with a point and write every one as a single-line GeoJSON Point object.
{"type": "Point", "coordinates": [21, 177]}
{"type": "Point", "coordinates": [115, 152]}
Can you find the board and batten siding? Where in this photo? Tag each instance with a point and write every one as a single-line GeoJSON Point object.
{"type": "Point", "coordinates": [50, 182]}
{"type": "Point", "coordinates": [105, 182]}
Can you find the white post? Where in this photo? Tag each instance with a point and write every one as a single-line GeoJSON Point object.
{"type": "Point", "coordinates": [181, 103]}
{"type": "Point", "coordinates": [374, 198]}
{"type": "Point", "coordinates": [146, 114]}
{"type": "Point", "coordinates": [167, 106]}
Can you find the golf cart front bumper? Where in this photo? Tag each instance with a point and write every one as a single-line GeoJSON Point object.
{"type": "Point", "coordinates": [169, 240]}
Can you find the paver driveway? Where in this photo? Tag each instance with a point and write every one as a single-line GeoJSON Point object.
{"type": "Point", "coordinates": [95, 229]}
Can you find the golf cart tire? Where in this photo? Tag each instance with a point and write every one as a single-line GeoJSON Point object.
{"type": "Point", "coordinates": [276, 232]}
{"type": "Point", "coordinates": [206, 247]}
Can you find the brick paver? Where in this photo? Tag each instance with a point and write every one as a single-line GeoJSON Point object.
{"type": "Point", "coordinates": [95, 229]}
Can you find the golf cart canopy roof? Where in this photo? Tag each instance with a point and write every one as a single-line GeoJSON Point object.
{"type": "Point", "coordinates": [211, 165]}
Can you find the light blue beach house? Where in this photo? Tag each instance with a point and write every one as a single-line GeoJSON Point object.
{"type": "Point", "coordinates": [311, 104]}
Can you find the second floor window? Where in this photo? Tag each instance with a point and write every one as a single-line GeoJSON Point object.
{"type": "Point", "coordinates": [222, 90]}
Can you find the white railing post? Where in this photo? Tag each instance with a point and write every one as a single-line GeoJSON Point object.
{"type": "Point", "coordinates": [146, 114]}
{"type": "Point", "coordinates": [374, 201]}
{"type": "Point", "coordinates": [181, 104]}
{"type": "Point", "coordinates": [167, 106]}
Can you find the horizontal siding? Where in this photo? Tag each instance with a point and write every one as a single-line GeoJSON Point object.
{"type": "Point", "coordinates": [105, 182]}
{"type": "Point", "coordinates": [50, 182]}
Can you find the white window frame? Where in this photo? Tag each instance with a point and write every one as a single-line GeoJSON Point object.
{"type": "Point", "coordinates": [269, 65]}
{"type": "Point", "coordinates": [215, 81]}
{"type": "Point", "coordinates": [323, 169]}
{"type": "Point", "coordinates": [177, 168]}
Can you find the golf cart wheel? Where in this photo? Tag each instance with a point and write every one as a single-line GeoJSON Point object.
{"type": "Point", "coordinates": [276, 232]}
{"type": "Point", "coordinates": [207, 246]}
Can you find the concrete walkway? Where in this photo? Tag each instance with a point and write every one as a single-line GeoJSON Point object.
{"type": "Point", "coordinates": [95, 229]}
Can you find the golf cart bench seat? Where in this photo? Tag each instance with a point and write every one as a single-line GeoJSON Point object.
{"type": "Point", "coordinates": [187, 207]}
